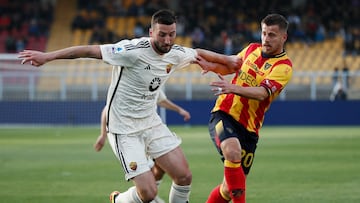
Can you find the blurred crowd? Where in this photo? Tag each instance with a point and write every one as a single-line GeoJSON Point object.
{"type": "Point", "coordinates": [23, 21]}
{"type": "Point", "coordinates": [226, 26]}
{"type": "Point", "coordinates": [223, 26]}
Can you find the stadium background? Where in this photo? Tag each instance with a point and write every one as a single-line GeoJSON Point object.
{"type": "Point", "coordinates": [322, 37]}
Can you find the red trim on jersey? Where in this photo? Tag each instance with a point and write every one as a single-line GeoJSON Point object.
{"type": "Point", "coordinates": [285, 61]}
{"type": "Point", "coordinates": [251, 48]}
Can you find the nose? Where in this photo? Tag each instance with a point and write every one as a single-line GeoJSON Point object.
{"type": "Point", "coordinates": [167, 40]}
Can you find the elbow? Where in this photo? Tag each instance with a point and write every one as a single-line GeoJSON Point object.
{"type": "Point", "coordinates": [263, 94]}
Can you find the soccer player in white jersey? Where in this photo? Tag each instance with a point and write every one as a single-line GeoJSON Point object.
{"type": "Point", "coordinates": [162, 101]}
{"type": "Point", "coordinates": [140, 67]}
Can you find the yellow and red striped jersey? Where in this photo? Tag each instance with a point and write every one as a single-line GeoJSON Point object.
{"type": "Point", "coordinates": [258, 69]}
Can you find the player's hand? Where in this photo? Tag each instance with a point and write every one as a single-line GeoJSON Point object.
{"type": "Point", "coordinates": [185, 114]}
{"type": "Point", "coordinates": [99, 144]}
{"type": "Point", "coordinates": [221, 86]}
{"type": "Point", "coordinates": [35, 58]}
{"type": "Point", "coordinates": [205, 65]}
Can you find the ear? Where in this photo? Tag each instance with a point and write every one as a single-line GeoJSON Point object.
{"type": "Point", "coordinates": [150, 32]}
{"type": "Point", "coordinates": [285, 37]}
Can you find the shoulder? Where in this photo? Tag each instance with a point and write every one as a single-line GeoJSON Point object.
{"type": "Point", "coordinates": [133, 44]}
{"type": "Point", "coordinates": [183, 51]}
{"type": "Point", "coordinates": [252, 47]}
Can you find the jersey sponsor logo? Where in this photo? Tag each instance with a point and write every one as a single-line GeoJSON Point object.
{"type": "Point", "coordinates": [247, 78]}
{"type": "Point", "coordinates": [254, 67]}
{"type": "Point", "coordinates": [148, 96]}
{"type": "Point", "coordinates": [154, 84]}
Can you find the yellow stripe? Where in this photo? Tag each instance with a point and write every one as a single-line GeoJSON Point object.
{"type": "Point", "coordinates": [223, 195]}
{"type": "Point", "coordinates": [219, 128]}
{"type": "Point", "coordinates": [231, 164]}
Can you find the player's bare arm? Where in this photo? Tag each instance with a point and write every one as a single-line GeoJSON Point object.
{"type": "Point", "coordinates": [174, 107]}
{"type": "Point", "coordinates": [218, 63]}
{"type": "Point", "coordinates": [37, 58]}
{"type": "Point", "coordinates": [222, 86]}
{"type": "Point", "coordinates": [100, 141]}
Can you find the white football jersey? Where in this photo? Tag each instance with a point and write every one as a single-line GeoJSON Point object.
{"type": "Point", "coordinates": [137, 76]}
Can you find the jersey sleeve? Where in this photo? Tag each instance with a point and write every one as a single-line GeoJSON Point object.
{"type": "Point", "coordinates": [116, 54]}
{"type": "Point", "coordinates": [278, 78]}
{"type": "Point", "coordinates": [187, 55]}
{"type": "Point", "coordinates": [161, 96]}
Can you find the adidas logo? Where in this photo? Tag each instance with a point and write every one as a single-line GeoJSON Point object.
{"type": "Point", "coordinates": [147, 67]}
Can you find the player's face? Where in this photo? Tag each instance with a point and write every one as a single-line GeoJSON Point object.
{"type": "Point", "coordinates": [163, 37]}
{"type": "Point", "coordinates": [272, 39]}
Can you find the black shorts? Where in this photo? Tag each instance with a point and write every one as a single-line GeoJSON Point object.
{"type": "Point", "coordinates": [228, 127]}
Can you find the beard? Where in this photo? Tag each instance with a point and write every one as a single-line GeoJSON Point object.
{"type": "Point", "coordinates": [162, 49]}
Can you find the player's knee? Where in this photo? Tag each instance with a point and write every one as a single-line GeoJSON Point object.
{"type": "Point", "coordinates": [147, 194]}
{"type": "Point", "coordinates": [233, 155]}
{"type": "Point", "coordinates": [184, 179]}
{"type": "Point", "coordinates": [231, 149]}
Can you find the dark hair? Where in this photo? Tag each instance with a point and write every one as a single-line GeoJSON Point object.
{"type": "Point", "coordinates": [276, 19]}
{"type": "Point", "coordinates": [164, 16]}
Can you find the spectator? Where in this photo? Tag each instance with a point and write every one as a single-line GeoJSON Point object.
{"type": "Point", "coordinates": [10, 44]}
{"type": "Point", "coordinates": [338, 92]}
{"type": "Point", "coordinates": [335, 76]}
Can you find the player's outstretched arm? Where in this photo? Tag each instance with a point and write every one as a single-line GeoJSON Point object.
{"type": "Point", "coordinates": [37, 58]}
{"type": "Point", "coordinates": [218, 63]}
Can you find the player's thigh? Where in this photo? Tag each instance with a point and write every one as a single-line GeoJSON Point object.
{"type": "Point", "coordinates": [175, 165]}
{"type": "Point", "coordinates": [146, 185]}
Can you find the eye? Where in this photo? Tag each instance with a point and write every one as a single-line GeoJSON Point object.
{"type": "Point", "coordinates": [173, 34]}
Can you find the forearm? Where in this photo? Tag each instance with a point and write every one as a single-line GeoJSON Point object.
{"type": "Point", "coordinates": [211, 56]}
{"type": "Point", "coordinates": [167, 104]}
{"type": "Point", "coordinates": [257, 93]}
{"type": "Point", "coordinates": [86, 51]}
{"type": "Point", "coordinates": [103, 130]}
{"type": "Point", "coordinates": [219, 63]}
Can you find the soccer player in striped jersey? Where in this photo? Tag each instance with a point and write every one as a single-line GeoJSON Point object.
{"type": "Point", "coordinates": [239, 110]}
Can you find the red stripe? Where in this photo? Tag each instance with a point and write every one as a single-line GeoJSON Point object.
{"type": "Point", "coordinates": [244, 114]}
{"type": "Point", "coordinates": [260, 61]}
{"type": "Point", "coordinates": [227, 102]}
{"type": "Point", "coordinates": [260, 113]}
{"type": "Point", "coordinates": [285, 61]}
{"type": "Point", "coordinates": [251, 48]}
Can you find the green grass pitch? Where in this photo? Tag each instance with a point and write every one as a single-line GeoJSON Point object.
{"type": "Point", "coordinates": [292, 164]}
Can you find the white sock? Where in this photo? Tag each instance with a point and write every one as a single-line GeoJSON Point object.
{"type": "Point", "coordinates": [129, 196]}
{"type": "Point", "coordinates": [179, 194]}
